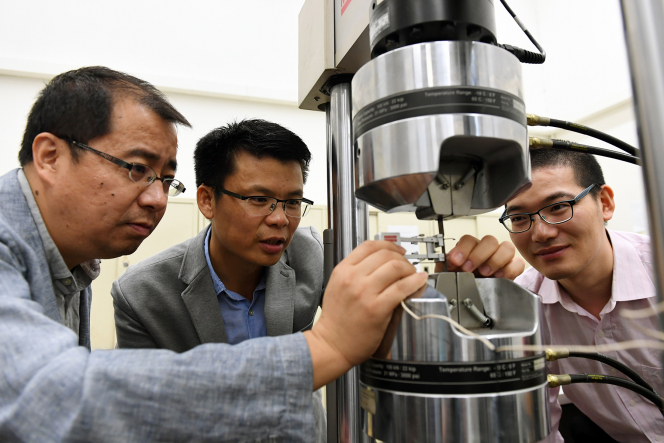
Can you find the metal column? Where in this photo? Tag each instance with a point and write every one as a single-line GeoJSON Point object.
{"type": "Point", "coordinates": [348, 218]}
{"type": "Point", "coordinates": [645, 47]}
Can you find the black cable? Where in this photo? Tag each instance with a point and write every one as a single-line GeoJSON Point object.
{"type": "Point", "coordinates": [616, 381]}
{"type": "Point", "coordinates": [614, 364]}
{"type": "Point", "coordinates": [565, 145]}
{"type": "Point", "coordinates": [523, 55]}
{"type": "Point", "coordinates": [581, 129]}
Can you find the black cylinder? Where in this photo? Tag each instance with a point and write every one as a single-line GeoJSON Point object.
{"type": "Point", "coordinates": [398, 23]}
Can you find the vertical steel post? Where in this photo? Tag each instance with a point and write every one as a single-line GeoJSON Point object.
{"type": "Point", "coordinates": [645, 47]}
{"type": "Point", "coordinates": [330, 388]}
{"type": "Point", "coordinates": [348, 218]}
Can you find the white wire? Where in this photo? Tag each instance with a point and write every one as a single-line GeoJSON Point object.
{"type": "Point", "coordinates": [643, 313]}
{"type": "Point", "coordinates": [486, 342]}
{"type": "Point", "coordinates": [651, 332]}
{"type": "Point", "coordinates": [620, 346]}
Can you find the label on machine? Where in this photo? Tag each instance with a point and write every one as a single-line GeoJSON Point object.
{"type": "Point", "coordinates": [454, 377]}
{"type": "Point", "coordinates": [440, 100]}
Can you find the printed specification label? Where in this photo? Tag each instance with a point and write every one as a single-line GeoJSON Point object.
{"type": "Point", "coordinates": [444, 100]}
{"type": "Point", "coordinates": [454, 378]}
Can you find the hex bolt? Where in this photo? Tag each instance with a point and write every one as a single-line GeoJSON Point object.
{"type": "Point", "coordinates": [453, 304]}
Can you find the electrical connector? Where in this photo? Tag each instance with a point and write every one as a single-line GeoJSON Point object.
{"type": "Point", "coordinates": [536, 120]}
{"type": "Point", "coordinates": [539, 143]}
{"type": "Point", "coordinates": [558, 380]}
{"type": "Point", "coordinates": [553, 355]}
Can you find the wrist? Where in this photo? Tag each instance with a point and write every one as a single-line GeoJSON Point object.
{"type": "Point", "coordinates": [327, 362]}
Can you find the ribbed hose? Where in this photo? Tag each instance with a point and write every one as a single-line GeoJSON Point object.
{"type": "Point", "coordinates": [581, 129]}
{"type": "Point", "coordinates": [616, 381]}
{"type": "Point", "coordinates": [565, 145]}
{"type": "Point", "coordinates": [571, 146]}
{"type": "Point", "coordinates": [523, 55]}
{"type": "Point", "coordinates": [614, 364]}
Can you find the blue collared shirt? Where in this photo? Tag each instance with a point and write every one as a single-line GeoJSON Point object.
{"type": "Point", "coordinates": [243, 320]}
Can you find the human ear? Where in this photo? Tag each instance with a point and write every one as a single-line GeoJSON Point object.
{"type": "Point", "coordinates": [48, 152]}
{"type": "Point", "coordinates": [206, 201]}
{"type": "Point", "coordinates": [607, 202]}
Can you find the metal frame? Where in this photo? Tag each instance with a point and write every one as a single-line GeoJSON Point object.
{"type": "Point", "coordinates": [348, 218]}
{"type": "Point", "coordinates": [645, 49]}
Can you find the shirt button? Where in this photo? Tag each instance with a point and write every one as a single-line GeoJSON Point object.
{"type": "Point", "coordinates": [66, 281]}
{"type": "Point", "coordinates": [632, 403]}
{"type": "Point", "coordinates": [251, 312]}
{"type": "Point", "coordinates": [601, 334]}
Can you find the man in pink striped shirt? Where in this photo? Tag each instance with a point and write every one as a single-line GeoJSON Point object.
{"type": "Point", "coordinates": [587, 276]}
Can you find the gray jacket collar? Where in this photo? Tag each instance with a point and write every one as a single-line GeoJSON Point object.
{"type": "Point", "coordinates": [14, 208]}
{"type": "Point", "coordinates": [203, 306]}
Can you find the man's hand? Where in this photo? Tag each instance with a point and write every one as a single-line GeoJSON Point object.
{"type": "Point", "coordinates": [486, 258]}
{"type": "Point", "coordinates": [363, 291]}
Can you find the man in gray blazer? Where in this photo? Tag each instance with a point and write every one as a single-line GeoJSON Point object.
{"type": "Point", "coordinates": [98, 162]}
{"type": "Point", "coordinates": [252, 273]}
{"type": "Point", "coordinates": [169, 300]}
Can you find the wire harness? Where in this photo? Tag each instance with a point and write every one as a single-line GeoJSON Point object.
{"type": "Point", "coordinates": [566, 379]}
{"type": "Point", "coordinates": [557, 354]}
{"type": "Point", "coordinates": [523, 55]}
{"type": "Point", "coordinates": [536, 120]}
{"type": "Point", "coordinates": [639, 385]}
{"type": "Point", "coordinates": [565, 145]}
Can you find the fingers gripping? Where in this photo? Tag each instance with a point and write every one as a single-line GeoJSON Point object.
{"type": "Point", "coordinates": [512, 270]}
{"type": "Point", "coordinates": [486, 257]}
{"type": "Point", "coordinates": [368, 248]}
{"type": "Point", "coordinates": [500, 258]}
{"type": "Point", "coordinates": [402, 289]}
{"type": "Point", "coordinates": [390, 273]}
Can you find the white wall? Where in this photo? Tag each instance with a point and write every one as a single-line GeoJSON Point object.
{"type": "Point", "coordinates": [204, 113]}
{"type": "Point", "coordinates": [586, 66]}
{"type": "Point", "coordinates": [17, 95]}
{"type": "Point", "coordinates": [221, 60]}
{"type": "Point", "coordinates": [585, 79]}
{"type": "Point", "coordinates": [626, 179]}
{"type": "Point", "coordinates": [236, 48]}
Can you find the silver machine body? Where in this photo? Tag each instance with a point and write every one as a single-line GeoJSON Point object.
{"type": "Point", "coordinates": [439, 385]}
{"type": "Point", "coordinates": [426, 116]}
{"type": "Point", "coordinates": [440, 130]}
{"type": "Point", "coordinates": [434, 123]}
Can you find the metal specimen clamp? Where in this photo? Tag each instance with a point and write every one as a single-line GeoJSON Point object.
{"type": "Point", "coordinates": [432, 243]}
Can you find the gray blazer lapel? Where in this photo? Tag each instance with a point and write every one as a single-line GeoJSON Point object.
{"type": "Point", "coordinates": [200, 297]}
{"type": "Point", "coordinates": [279, 299]}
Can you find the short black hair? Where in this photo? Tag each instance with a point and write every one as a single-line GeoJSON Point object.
{"type": "Point", "coordinates": [585, 166]}
{"type": "Point", "coordinates": [77, 105]}
{"type": "Point", "coordinates": [214, 157]}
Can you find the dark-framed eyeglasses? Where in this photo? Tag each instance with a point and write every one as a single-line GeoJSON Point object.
{"type": "Point", "coordinates": [139, 173]}
{"type": "Point", "coordinates": [553, 214]}
{"type": "Point", "coordinates": [258, 205]}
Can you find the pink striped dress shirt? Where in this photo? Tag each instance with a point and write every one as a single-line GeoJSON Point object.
{"type": "Point", "coordinates": [623, 414]}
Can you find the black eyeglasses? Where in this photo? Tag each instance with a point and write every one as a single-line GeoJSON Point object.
{"type": "Point", "coordinates": [261, 206]}
{"type": "Point", "coordinates": [553, 214]}
{"type": "Point", "coordinates": [138, 172]}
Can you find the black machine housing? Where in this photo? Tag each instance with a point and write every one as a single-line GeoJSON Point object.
{"type": "Point", "coordinates": [398, 23]}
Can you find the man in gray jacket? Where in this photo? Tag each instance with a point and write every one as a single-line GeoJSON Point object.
{"type": "Point", "coordinates": [252, 273]}
{"type": "Point", "coordinates": [98, 163]}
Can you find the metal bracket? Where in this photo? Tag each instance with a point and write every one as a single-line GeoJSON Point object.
{"type": "Point", "coordinates": [463, 297]}
{"type": "Point", "coordinates": [436, 241]}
